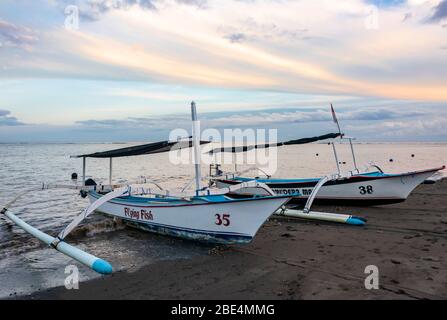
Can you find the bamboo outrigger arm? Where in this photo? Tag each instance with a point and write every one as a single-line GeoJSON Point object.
{"type": "Point", "coordinates": [306, 213]}
{"type": "Point", "coordinates": [89, 210]}
{"type": "Point", "coordinates": [317, 188]}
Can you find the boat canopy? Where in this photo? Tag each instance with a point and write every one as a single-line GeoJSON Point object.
{"type": "Point", "coordinates": [279, 144]}
{"type": "Point", "coordinates": [149, 148]}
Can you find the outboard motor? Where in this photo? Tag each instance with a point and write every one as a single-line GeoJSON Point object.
{"type": "Point", "coordinates": [88, 182]}
{"type": "Point", "coordinates": [215, 170]}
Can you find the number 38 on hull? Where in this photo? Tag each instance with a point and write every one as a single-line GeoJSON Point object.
{"type": "Point", "coordinates": [371, 188]}
{"type": "Point", "coordinates": [213, 218]}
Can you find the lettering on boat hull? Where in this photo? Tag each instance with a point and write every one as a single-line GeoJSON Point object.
{"type": "Point", "coordinates": [138, 214]}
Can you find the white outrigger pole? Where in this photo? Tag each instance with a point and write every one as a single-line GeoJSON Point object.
{"type": "Point", "coordinates": [95, 263]}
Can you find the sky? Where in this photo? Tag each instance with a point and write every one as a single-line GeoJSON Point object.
{"type": "Point", "coordinates": [127, 70]}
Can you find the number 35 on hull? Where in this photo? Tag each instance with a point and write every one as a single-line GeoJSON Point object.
{"type": "Point", "coordinates": [217, 219]}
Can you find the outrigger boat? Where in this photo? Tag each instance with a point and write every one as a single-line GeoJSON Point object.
{"type": "Point", "coordinates": [206, 214]}
{"type": "Point", "coordinates": [365, 189]}
{"type": "Point", "coordinates": [368, 188]}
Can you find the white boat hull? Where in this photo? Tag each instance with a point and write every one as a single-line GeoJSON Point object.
{"type": "Point", "coordinates": [364, 189]}
{"type": "Point", "coordinates": [226, 222]}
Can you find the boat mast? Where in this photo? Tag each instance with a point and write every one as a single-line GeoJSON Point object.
{"type": "Point", "coordinates": [196, 143]}
{"type": "Point", "coordinates": [83, 171]}
{"type": "Point", "coordinates": [110, 171]}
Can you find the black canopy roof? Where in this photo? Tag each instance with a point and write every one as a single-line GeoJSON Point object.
{"type": "Point", "coordinates": [263, 146]}
{"type": "Point", "coordinates": [150, 148]}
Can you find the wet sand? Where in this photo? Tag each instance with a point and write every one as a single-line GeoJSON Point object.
{"type": "Point", "coordinates": [296, 259]}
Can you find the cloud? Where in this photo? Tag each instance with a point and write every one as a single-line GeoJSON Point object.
{"type": "Point", "coordinates": [412, 122]}
{"type": "Point", "coordinates": [223, 47]}
{"type": "Point", "coordinates": [407, 16]}
{"type": "Point", "coordinates": [380, 114]}
{"type": "Point", "coordinates": [440, 12]}
{"type": "Point", "coordinates": [7, 120]}
{"type": "Point", "coordinates": [198, 3]}
{"type": "Point", "coordinates": [263, 117]}
{"type": "Point", "coordinates": [410, 130]}
{"type": "Point", "coordinates": [12, 35]}
{"type": "Point", "coordinates": [168, 121]}
{"type": "Point", "coordinates": [236, 37]}
{"type": "Point", "coordinates": [252, 29]}
{"type": "Point", "coordinates": [254, 118]}
{"type": "Point", "coordinates": [93, 10]}
{"type": "Point", "coordinates": [315, 47]}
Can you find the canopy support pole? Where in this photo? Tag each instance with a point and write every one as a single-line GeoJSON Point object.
{"type": "Point", "coordinates": [110, 172]}
{"type": "Point", "coordinates": [353, 155]}
{"type": "Point", "coordinates": [336, 158]}
{"type": "Point", "coordinates": [235, 162]}
{"type": "Point", "coordinates": [83, 171]}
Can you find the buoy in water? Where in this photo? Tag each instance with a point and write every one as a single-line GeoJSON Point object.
{"type": "Point", "coordinates": [412, 155]}
{"type": "Point", "coordinates": [391, 160]}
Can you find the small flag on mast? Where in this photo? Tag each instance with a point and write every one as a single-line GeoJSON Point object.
{"type": "Point", "coordinates": [334, 117]}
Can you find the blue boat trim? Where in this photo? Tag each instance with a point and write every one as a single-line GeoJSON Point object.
{"type": "Point", "coordinates": [360, 218]}
{"type": "Point", "coordinates": [355, 221]}
{"type": "Point", "coordinates": [375, 174]}
{"type": "Point", "coordinates": [297, 183]}
{"type": "Point", "coordinates": [173, 202]}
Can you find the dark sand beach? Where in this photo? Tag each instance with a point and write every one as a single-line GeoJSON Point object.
{"type": "Point", "coordinates": [296, 259]}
